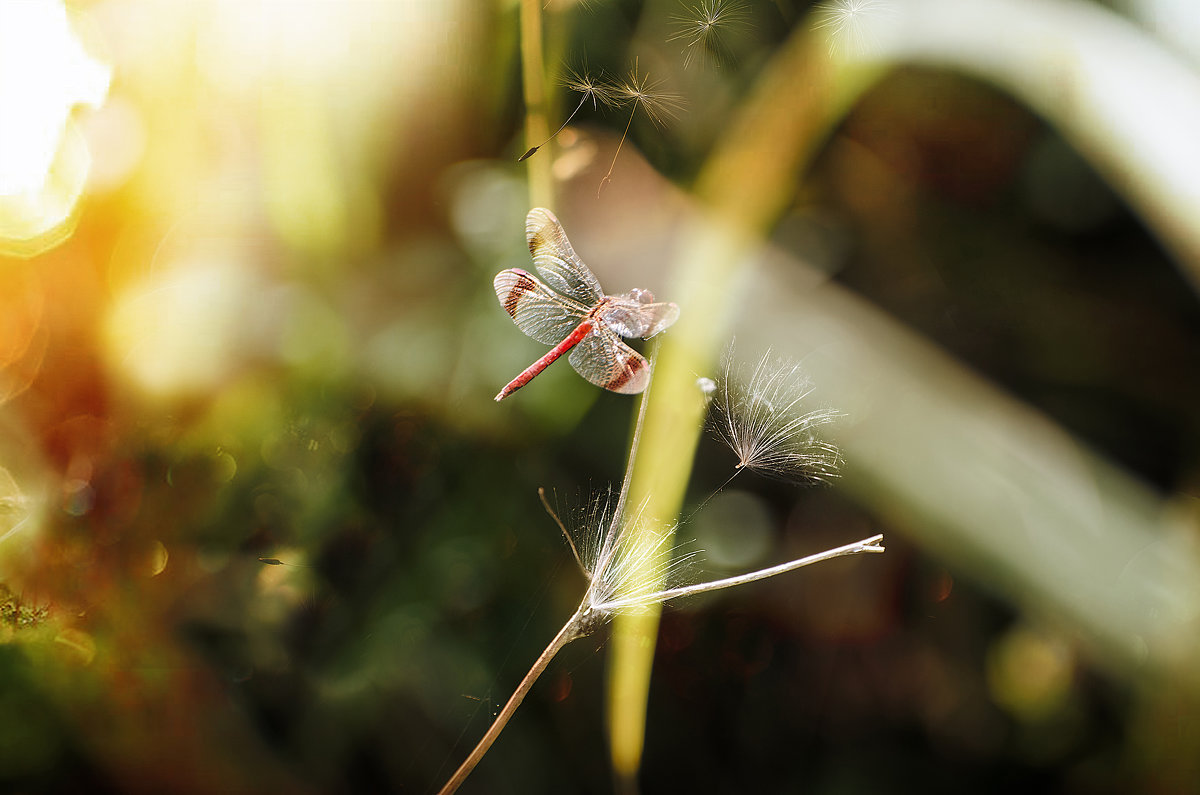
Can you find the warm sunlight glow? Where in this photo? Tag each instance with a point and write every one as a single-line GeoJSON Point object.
{"type": "Point", "coordinates": [176, 333]}
{"type": "Point", "coordinates": [44, 72]}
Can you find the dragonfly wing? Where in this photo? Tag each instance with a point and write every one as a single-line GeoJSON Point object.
{"type": "Point", "coordinates": [535, 308]}
{"type": "Point", "coordinates": [659, 317]}
{"type": "Point", "coordinates": [633, 319]}
{"type": "Point", "coordinates": [603, 359]}
{"type": "Point", "coordinates": [556, 261]}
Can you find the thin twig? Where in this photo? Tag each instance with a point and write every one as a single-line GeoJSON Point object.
{"type": "Point", "coordinates": [571, 630]}
{"type": "Point", "coordinates": [566, 535]}
{"type": "Point", "coordinates": [866, 545]}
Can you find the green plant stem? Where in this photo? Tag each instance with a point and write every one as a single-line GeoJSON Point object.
{"type": "Point", "coordinates": [570, 631]}
{"type": "Point", "coordinates": [745, 185]}
{"type": "Point", "coordinates": [533, 82]}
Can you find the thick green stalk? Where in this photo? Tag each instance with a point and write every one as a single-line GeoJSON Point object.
{"type": "Point", "coordinates": [746, 184]}
{"type": "Point", "coordinates": [533, 82]}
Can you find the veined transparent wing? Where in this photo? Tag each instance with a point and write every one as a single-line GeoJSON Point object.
{"type": "Point", "coordinates": [658, 317]}
{"type": "Point", "coordinates": [602, 358]}
{"type": "Point", "coordinates": [536, 309]}
{"type": "Point", "coordinates": [633, 319]}
{"type": "Point", "coordinates": [556, 261]}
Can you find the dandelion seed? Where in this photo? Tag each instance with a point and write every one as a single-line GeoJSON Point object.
{"type": "Point", "coordinates": [586, 524]}
{"type": "Point", "coordinates": [707, 386]}
{"type": "Point", "coordinates": [758, 416]}
{"type": "Point", "coordinates": [595, 89]}
{"type": "Point", "coordinates": [642, 93]}
{"type": "Point", "coordinates": [645, 93]}
{"type": "Point", "coordinates": [849, 24]}
{"type": "Point", "coordinates": [704, 26]}
{"type": "Point", "coordinates": [609, 556]}
{"type": "Point", "coordinates": [598, 90]}
{"type": "Point", "coordinates": [632, 566]}
{"type": "Point", "coordinates": [278, 562]}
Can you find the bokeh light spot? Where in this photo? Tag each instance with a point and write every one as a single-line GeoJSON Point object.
{"type": "Point", "coordinates": [14, 505]}
{"type": "Point", "coordinates": [23, 503]}
{"type": "Point", "coordinates": [311, 334]}
{"type": "Point", "coordinates": [178, 333]}
{"type": "Point", "coordinates": [44, 73]}
{"type": "Point", "coordinates": [156, 559]}
{"type": "Point", "coordinates": [1029, 673]}
{"type": "Point", "coordinates": [79, 645]}
{"type": "Point", "coordinates": [734, 530]}
{"type": "Point", "coordinates": [226, 467]}
{"type": "Point", "coordinates": [116, 136]}
{"type": "Point", "coordinates": [78, 497]}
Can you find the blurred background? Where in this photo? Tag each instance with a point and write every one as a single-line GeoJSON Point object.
{"type": "Point", "coordinates": [262, 527]}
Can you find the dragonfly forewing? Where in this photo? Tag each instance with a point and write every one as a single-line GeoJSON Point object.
{"type": "Point", "coordinates": [556, 261]}
{"type": "Point", "coordinates": [535, 308]}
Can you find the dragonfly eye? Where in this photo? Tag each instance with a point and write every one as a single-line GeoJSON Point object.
{"type": "Point", "coordinates": [641, 296]}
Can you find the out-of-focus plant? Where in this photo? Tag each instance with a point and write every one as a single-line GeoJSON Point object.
{"type": "Point", "coordinates": [744, 187]}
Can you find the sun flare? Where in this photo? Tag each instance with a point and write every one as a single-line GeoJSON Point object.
{"type": "Point", "coordinates": [44, 73]}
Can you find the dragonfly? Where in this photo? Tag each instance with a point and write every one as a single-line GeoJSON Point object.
{"type": "Point", "coordinates": [570, 311]}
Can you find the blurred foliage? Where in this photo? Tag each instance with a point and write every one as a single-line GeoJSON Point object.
{"type": "Point", "coordinates": [263, 529]}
